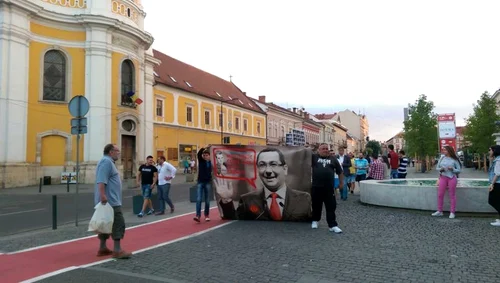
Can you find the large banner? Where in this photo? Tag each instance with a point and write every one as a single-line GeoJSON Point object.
{"type": "Point", "coordinates": [447, 131]}
{"type": "Point", "coordinates": [262, 182]}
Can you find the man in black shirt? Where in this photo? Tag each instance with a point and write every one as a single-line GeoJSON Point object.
{"type": "Point", "coordinates": [324, 167]}
{"type": "Point", "coordinates": [146, 179]}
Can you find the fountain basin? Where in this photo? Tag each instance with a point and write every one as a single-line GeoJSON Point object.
{"type": "Point", "coordinates": [421, 194]}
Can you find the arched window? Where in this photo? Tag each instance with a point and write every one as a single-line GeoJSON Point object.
{"type": "Point", "coordinates": [127, 83]}
{"type": "Point", "coordinates": [54, 76]}
{"type": "Point", "coordinates": [283, 131]}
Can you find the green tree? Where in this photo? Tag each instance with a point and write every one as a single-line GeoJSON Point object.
{"type": "Point", "coordinates": [480, 125]}
{"type": "Point", "coordinates": [374, 146]}
{"type": "Point", "coordinates": [420, 130]}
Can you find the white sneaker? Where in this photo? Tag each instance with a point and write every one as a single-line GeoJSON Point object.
{"type": "Point", "coordinates": [496, 223]}
{"type": "Point", "coordinates": [437, 213]}
{"type": "Point", "coordinates": [335, 229]}
{"type": "Point", "coordinates": [314, 225]}
{"type": "Point", "coordinates": [452, 215]}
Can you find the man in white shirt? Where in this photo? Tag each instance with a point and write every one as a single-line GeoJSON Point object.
{"type": "Point", "coordinates": [166, 172]}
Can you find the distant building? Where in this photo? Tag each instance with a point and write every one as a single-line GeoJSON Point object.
{"type": "Point", "coordinates": [398, 141]}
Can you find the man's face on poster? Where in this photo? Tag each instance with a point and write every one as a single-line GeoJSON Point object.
{"type": "Point", "coordinates": [271, 171]}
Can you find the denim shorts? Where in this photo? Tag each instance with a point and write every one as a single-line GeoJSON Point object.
{"type": "Point", "coordinates": [350, 179]}
{"type": "Point", "coordinates": [146, 191]}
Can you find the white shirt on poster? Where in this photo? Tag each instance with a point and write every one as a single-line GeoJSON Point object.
{"type": "Point", "coordinates": [165, 170]}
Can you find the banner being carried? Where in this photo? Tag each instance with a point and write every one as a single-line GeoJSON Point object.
{"type": "Point", "coordinates": [262, 182]}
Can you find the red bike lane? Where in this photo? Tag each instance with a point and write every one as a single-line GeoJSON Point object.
{"type": "Point", "coordinates": [29, 264]}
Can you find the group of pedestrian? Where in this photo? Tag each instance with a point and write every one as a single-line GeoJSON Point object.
{"type": "Point", "coordinates": [325, 167]}
{"type": "Point", "coordinates": [150, 175]}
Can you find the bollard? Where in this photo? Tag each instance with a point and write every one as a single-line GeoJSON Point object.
{"type": "Point", "coordinates": [67, 183]}
{"type": "Point", "coordinates": [40, 186]}
{"type": "Point", "coordinates": [54, 212]}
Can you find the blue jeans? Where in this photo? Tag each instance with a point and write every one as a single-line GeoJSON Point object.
{"type": "Point", "coordinates": [203, 189]}
{"type": "Point", "coordinates": [344, 190]}
{"type": "Point", "coordinates": [163, 196]}
{"type": "Point", "coordinates": [394, 173]}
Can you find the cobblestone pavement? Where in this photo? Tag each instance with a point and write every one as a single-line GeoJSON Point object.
{"type": "Point", "coordinates": [378, 245]}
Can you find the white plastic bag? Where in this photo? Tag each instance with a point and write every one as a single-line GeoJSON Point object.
{"type": "Point", "coordinates": [102, 220]}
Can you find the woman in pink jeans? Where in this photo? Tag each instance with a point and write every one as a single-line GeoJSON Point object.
{"type": "Point", "coordinates": [448, 166]}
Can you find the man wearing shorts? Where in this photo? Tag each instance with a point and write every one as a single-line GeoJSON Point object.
{"type": "Point", "coordinates": [108, 189]}
{"type": "Point", "coordinates": [146, 179]}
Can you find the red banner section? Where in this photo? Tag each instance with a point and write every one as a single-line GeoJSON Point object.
{"type": "Point", "coordinates": [449, 142]}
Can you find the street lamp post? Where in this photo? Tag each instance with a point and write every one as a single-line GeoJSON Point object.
{"type": "Point", "coordinates": [221, 125]}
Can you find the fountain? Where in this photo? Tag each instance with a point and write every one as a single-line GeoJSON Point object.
{"type": "Point", "coordinates": [421, 194]}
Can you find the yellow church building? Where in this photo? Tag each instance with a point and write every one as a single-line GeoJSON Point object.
{"type": "Point", "coordinates": [53, 50]}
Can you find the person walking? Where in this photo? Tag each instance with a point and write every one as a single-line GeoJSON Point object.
{"type": "Point", "coordinates": [394, 161]}
{"type": "Point", "coordinates": [108, 189]}
{"type": "Point", "coordinates": [324, 168]}
{"type": "Point", "coordinates": [494, 188]}
{"type": "Point", "coordinates": [345, 162]}
{"type": "Point", "coordinates": [448, 166]}
{"type": "Point", "coordinates": [146, 179]}
{"type": "Point", "coordinates": [166, 173]}
{"type": "Point", "coordinates": [204, 183]}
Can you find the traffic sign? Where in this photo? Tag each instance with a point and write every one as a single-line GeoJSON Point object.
{"type": "Point", "coordinates": [79, 122]}
{"type": "Point", "coordinates": [78, 130]}
{"type": "Point", "coordinates": [78, 106]}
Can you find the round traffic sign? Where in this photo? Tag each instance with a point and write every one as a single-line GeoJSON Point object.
{"type": "Point", "coordinates": [78, 106]}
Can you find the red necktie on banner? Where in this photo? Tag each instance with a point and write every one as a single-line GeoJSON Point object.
{"type": "Point", "coordinates": [275, 209]}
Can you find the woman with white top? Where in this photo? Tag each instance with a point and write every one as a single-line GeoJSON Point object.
{"type": "Point", "coordinates": [448, 166]}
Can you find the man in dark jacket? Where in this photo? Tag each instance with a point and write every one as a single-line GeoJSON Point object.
{"type": "Point", "coordinates": [345, 161]}
{"type": "Point", "coordinates": [204, 182]}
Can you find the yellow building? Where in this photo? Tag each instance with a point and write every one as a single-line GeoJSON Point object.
{"type": "Point", "coordinates": [53, 50]}
{"type": "Point", "coordinates": [188, 103]}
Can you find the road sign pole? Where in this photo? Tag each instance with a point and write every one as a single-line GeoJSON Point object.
{"type": "Point", "coordinates": [78, 107]}
{"type": "Point", "coordinates": [77, 177]}
{"type": "Point", "coordinates": [77, 163]}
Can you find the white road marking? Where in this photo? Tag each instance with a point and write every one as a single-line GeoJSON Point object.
{"type": "Point", "coordinates": [93, 236]}
{"type": "Point", "coordinates": [60, 271]}
{"type": "Point", "coordinates": [19, 212]}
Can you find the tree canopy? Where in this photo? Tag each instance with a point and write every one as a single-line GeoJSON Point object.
{"type": "Point", "coordinates": [480, 125]}
{"type": "Point", "coordinates": [374, 146]}
{"type": "Point", "coordinates": [420, 130]}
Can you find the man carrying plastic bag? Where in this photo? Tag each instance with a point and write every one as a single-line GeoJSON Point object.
{"type": "Point", "coordinates": [108, 199]}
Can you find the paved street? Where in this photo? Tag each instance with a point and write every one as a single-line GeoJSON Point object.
{"type": "Point", "coordinates": [24, 209]}
{"type": "Point", "coordinates": [378, 245]}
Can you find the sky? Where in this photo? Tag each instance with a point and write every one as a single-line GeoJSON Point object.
{"type": "Point", "coordinates": [372, 57]}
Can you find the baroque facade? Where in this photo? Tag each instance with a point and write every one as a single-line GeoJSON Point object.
{"type": "Point", "coordinates": [53, 50]}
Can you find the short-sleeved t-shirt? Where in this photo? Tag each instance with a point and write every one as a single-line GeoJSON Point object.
{"type": "Point", "coordinates": [107, 174]}
{"type": "Point", "coordinates": [147, 174]}
{"type": "Point", "coordinates": [361, 163]}
{"type": "Point", "coordinates": [324, 170]}
{"type": "Point", "coordinates": [394, 159]}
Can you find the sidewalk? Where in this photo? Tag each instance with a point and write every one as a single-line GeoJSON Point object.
{"type": "Point", "coordinates": [82, 188]}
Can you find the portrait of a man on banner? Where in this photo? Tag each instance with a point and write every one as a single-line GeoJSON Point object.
{"type": "Point", "coordinates": [263, 183]}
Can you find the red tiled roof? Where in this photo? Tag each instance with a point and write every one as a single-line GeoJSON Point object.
{"type": "Point", "coordinates": [201, 82]}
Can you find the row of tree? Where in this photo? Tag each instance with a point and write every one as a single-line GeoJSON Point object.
{"type": "Point", "coordinates": [420, 130]}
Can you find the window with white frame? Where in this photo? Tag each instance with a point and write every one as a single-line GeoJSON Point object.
{"type": "Point", "coordinates": [159, 107]}
{"type": "Point", "coordinates": [258, 128]}
{"type": "Point", "coordinates": [189, 114]}
{"type": "Point", "coordinates": [221, 119]}
{"type": "Point", "coordinates": [207, 117]}
{"type": "Point", "coordinates": [245, 125]}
